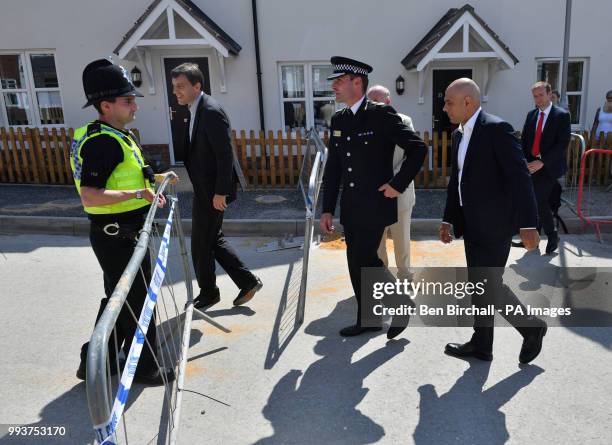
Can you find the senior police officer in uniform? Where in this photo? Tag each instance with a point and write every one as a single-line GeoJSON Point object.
{"type": "Point", "coordinates": [361, 148]}
{"type": "Point", "coordinates": [116, 187]}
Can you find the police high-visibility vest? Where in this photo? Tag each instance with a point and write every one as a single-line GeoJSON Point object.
{"type": "Point", "coordinates": [127, 175]}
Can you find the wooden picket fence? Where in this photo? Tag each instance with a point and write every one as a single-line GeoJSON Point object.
{"type": "Point", "coordinates": [36, 155]}
{"type": "Point", "coordinates": [274, 159]}
{"type": "Point", "coordinates": [597, 168]}
{"type": "Point", "coordinates": [269, 160]}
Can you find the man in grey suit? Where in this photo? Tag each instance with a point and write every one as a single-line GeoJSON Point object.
{"type": "Point", "coordinates": [400, 231]}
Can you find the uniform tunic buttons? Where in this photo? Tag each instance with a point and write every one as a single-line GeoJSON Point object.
{"type": "Point", "coordinates": [350, 169]}
{"type": "Point", "coordinates": [352, 184]}
{"type": "Point", "coordinates": [366, 142]}
{"type": "Point", "coordinates": [348, 138]}
{"type": "Point", "coordinates": [348, 153]}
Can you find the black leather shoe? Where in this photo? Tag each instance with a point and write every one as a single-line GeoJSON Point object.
{"type": "Point", "coordinates": [401, 323]}
{"type": "Point", "coordinates": [532, 344]}
{"type": "Point", "coordinates": [353, 330]}
{"type": "Point", "coordinates": [245, 295]}
{"type": "Point", "coordinates": [517, 244]}
{"type": "Point", "coordinates": [204, 302]}
{"type": "Point", "coordinates": [82, 371]}
{"type": "Point", "coordinates": [467, 350]}
{"type": "Point", "coordinates": [154, 376]}
{"type": "Point", "coordinates": [553, 243]}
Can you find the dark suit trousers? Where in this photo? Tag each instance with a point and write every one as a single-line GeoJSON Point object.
{"type": "Point", "coordinates": [543, 186]}
{"type": "Point", "coordinates": [208, 244]}
{"type": "Point", "coordinates": [362, 251]}
{"type": "Point", "coordinates": [487, 261]}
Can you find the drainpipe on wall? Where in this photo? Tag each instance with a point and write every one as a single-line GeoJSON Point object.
{"type": "Point", "coordinates": [564, 60]}
{"type": "Point", "coordinates": [258, 63]}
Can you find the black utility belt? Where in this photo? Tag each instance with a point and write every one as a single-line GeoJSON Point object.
{"type": "Point", "coordinates": [129, 230]}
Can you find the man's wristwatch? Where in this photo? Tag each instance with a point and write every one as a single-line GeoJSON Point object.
{"type": "Point", "coordinates": [139, 194]}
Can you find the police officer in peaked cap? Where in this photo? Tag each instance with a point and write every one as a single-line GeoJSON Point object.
{"type": "Point", "coordinates": [116, 188]}
{"type": "Point", "coordinates": [360, 162]}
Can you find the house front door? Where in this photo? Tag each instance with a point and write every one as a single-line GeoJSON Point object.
{"type": "Point", "coordinates": [179, 114]}
{"type": "Point", "coordinates": [441, 80]}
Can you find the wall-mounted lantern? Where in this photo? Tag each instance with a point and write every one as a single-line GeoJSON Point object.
{"type": "Point", "coordinates": [399, 85]}
{"type": "Point", "coordinates": [136, 76]}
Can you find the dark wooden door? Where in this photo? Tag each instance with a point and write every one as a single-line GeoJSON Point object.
{"type": "Point", "coordinates": [441, 80]}
{"type": "Point", "coordinates": [179, 114]}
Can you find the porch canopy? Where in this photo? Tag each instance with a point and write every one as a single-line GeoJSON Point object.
{"type": "Point", "coordinates": [175, 24]}
{"type": "Point", "coordinates": [460, 35]}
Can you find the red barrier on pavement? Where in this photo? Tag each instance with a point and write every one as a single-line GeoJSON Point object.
{"type": "Point", "coordinates": [585, 214]}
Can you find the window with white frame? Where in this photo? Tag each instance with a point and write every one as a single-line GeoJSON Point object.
{"type": "Point", "coordinates": [549, 70]}
{"type": "Point", "coordinates": [29, 90]}
{"type": "Point", "coordinates": [307, 98]}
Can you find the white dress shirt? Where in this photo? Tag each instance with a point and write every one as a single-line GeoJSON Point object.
{"type": "Point", "coordinates": [546, 112]}
{"type": "Point", "coordinates": [193, 107]}
{"type": "Point", "coordinates": [357, 104]}
{"type": "Point", "coordinates": [466, 130]}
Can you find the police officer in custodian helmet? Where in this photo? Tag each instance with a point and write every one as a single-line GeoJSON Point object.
{"type": "Point", "coordinates": [116, 188]}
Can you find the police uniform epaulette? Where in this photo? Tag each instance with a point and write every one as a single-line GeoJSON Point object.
{"type": "Point", "coordinates": [93, 128]}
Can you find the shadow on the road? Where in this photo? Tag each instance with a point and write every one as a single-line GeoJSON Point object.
{"type": "Point", "coordinates": [466, 413]}
{"type": "Point", "coordinates": [285, 324]}
{"type": "Point", "coordinates": [319, 405]}
{"type": "Point", "coordinates": [600, 335]}
{"type": "Point", "coordinates": [236, 310]}
{"type": "Point", "coordinates": [70, 410]}
{"type": "Point", "coordinates": [575, 288]}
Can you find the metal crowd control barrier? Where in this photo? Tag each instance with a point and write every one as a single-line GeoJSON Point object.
{"type": "Point", "coordinates": [106, 411]}
{"type": "Point", "coordinates": [575, 151]}
{"type": "Point", "coordinates": [311, 177]}
{"type": "Point", "coordinates": [595, 206]}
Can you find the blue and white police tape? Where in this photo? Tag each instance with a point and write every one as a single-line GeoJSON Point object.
{"type": "Point", "coordinates": [105, 433]}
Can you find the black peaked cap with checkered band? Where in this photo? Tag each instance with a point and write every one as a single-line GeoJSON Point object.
{"type": "Point", "coordinates": [344, 65]}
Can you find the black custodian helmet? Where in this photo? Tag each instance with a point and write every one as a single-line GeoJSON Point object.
{"type": "Point", "coordinates": [102, 79]}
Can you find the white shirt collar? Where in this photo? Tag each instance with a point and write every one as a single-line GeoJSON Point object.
{"type": "Point", "coordinates": [471, 121]}
{"type": "Point", "coordinates": [194, 106]}
{"type": "Point", "coordinates": [357, 104]}
{"type": "Point", "coordinates": [546, 111]}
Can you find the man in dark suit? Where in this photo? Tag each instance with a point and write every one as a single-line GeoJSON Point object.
{"type": "Point", "coordinates": [546, 135]}
{"type": "Point", "coordinates": [361, 148]}
{"type": "Point", "coordinates": [489, 198]}
{"type": "Point", "coordinates": [209, 163]}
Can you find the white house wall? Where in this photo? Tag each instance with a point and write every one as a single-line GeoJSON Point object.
{"type": "Point", "coordinates": [381, 33]}
{"type": "Point", "coordinates": [378, 32]}
{"type": "Point", "coordinates": [83, 31]}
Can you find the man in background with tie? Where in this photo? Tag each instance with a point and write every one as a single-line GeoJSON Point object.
{"type": "Point", "coordinates": [546, 135]}
{"type": "Point", "coordinates": [209, 163]}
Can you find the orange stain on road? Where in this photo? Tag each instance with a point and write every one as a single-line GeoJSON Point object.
{"type": "Point", "coordinates": [423, 253]}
